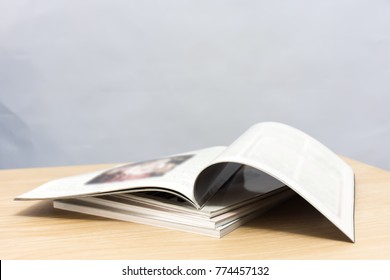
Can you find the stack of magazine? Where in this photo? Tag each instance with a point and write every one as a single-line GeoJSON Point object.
{"type": "Point", "coordinates": [215, 190]}
{"type": "Point", "coordinates": [238, 201]}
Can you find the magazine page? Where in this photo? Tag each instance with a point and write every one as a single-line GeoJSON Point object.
{"type": "Point", "coordinates": [175, 174]}
{"type": "Point", "coordinates": [246, 186]}
{"type": "Point", "coordinates": [300, 162]}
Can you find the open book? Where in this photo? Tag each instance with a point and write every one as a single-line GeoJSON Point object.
{"type": "Point", "coordinates": [214, 190]}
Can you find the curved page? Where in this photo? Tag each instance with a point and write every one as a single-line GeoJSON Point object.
{"type": "Point", "coordinates": [303, 164]}
{"type": "Point", "coordinates": [174, 174]}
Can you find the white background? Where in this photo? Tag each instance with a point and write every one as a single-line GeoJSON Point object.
{"type": "Point", "coordinates": [114, 81]}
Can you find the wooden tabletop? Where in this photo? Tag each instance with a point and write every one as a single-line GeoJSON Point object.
{"type": "Point", "coordinates": [293, 230]}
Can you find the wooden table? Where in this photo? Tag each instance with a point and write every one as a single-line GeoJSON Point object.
{"type": "Point", "coordinates": [294, 230]}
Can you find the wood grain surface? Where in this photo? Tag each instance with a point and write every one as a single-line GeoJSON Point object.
{"type": "Point", "coordinates": [293, 230]}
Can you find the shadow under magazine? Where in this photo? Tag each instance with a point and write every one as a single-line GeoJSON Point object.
{"type": "Point", "coordinates": [297, 216]}
{"type": "Point", "coordinates": [45, 209]}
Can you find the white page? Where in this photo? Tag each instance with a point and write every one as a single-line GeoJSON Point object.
{"type": "Point", "coordinates": [177, 178]}
{"type": "Point", "coordinates": [303, 164]}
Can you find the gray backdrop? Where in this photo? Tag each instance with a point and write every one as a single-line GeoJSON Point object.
{"type": "Point", "coordinates": [114, 81]}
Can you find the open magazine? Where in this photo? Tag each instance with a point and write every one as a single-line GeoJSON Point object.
{"type": "Point", "coordinates": [216, 188]}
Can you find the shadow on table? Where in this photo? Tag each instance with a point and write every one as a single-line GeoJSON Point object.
{"type": "Point", "coordinates": [297, 216]}
{"type": "Point", "coordinates": [45, 209]}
